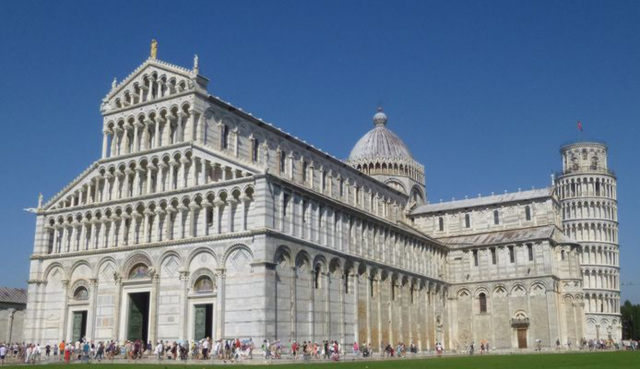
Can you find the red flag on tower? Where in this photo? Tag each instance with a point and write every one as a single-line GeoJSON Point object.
{"type": "Point", "coordinates": [580, 126]}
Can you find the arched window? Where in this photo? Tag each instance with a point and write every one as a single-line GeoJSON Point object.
{"type": "Point", "coordinates": [203, 284]}
{"type": "Point", "coordinates": [139, 271]}
{"type": "Point", "coordinates": [527, 212]}
{"type": "Point", "coordinates": [81, 293]}
{"type": "Point", "coordinates": [483, 302]}
{"type": "Point", "coordinates": [467, 221]}
{"type": "Point", "coordinates": [496, 217]}
{"type": "Point", "coordinates": [441, 224]}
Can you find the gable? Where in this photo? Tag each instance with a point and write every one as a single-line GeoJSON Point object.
{"type": "Point", "coordinates": [153, 80]}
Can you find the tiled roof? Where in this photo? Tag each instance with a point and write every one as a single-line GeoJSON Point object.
{"type": "Point", "coordinates": [13, 295]}
{"type": "Point", "coordinates": [510, 236]}
{"type": "Point", "coordinates": [484, 201]}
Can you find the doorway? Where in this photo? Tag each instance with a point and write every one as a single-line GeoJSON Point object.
{"type": "Point", "coordinates": [138, 317]}
{"type": "Point", "coordinates": [203, 324]}
{"type": "Point", "coordinates": [522, 338]}
{"type": "Point", "coordinates": [79, 325]}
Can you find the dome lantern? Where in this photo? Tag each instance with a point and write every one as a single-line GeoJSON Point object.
{"type": "Point", "coordinates": [380, 118]}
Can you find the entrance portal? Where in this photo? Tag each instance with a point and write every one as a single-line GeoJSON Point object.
{"type": "Point", "coordinates": [522, 338]}
{"type": "Point", "coordinates": [203, 325]}
{"type": "Point", "coordinates": [79, 325]}
{"type": "Point", "coordinates": [138, 323]}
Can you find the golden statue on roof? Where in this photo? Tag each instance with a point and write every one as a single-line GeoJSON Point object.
{"type": "Point", "coordinates": [154, 49]}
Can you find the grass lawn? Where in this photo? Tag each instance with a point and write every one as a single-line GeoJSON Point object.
{"type": "Point", "coordinates": [598, 360]}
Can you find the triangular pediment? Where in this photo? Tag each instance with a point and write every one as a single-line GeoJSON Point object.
{"type": "Point", "coordinates": [152, 80]}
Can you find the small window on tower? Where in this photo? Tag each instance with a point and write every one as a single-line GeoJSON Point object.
{"type": "Point", "coordinates": [496, 217]}
{"type": "Point", "coordinates": [493, 256]}
{"type": "Point", "coordinates": [475, 257]}
{"type": "Point", "coordinates": [512, 254]}
{"type": "Point", "coordinates": [254, 151]}
{"type": "Point", "coordinates": [283, 162]}
{"type": "Point", "coordinates": [467, 221]}
{"type": "Point", "coordinates": [441, 224]}
{"type": "Point", "coordinates": [527, 212]}
{"type": "Point", "coordinates": [530, 251]}
{"type": "Point", "coordinates": [225, 137]}
{"type": "Point", "coordinates": [304, 171]}
{"type": "Point", "coordinates": [483, 302]}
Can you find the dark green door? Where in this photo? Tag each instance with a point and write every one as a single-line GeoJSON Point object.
{"type": "Point", "coordinates": [138, 316]}
{"type": "Point", "coordinates": [203, 321]}
{"type": "Point", "coordinates": [79, 325]}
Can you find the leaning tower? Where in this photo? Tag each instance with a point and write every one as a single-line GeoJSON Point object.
{"type": "Point", "coordinates": [587, 189]}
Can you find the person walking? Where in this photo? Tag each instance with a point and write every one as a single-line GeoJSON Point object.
{"type": "Point", "coordinates": [3, 353]}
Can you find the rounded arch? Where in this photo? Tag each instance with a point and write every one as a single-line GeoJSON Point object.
{"type": "Point", "coordinates": [518, 289]}
{"type": "Point", "coordinates": [140, 257]}
{"type": "Point", "coordinates": [48, 272]}
{"type": "Point", "coordinates": [417, 194]}
{"type": "Point", "coordinates": [520, 314]}
{"type": "Point", "coordinates": [203, 280]}
{"type": "Point", "coordinates": [499, 291]}
{"type": "Point", "coordinates": [302, 260]}
{"type": "Point", "coordinates": [320, 260]}
{"type": "Point", "coordinates": [282, 252]}
{"type": "Point", "coordinates": [237, 257]}
{"type": "Point", "coordinates": [199, 251]}
{"type": "Point", "coordinates": [169, 253]}
{"type": "Point", "coordinates": [102, 263]}
{"type": "Point", "coordinates": [464, 293]}
{"type": "Point", "coordinates": [479, 290]}
{"type": "Point", "coordinates": [335, 266]}
{"type": "Point", "coordinates": [78, 264]}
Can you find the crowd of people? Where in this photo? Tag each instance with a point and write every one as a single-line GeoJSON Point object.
{"type": "Point", "coordinates": [236, 350]}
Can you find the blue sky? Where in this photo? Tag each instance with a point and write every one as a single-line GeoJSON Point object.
{"type": "Point", "coordinates": [483, 92]}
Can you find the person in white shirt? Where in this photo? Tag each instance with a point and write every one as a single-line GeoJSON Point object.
{"type": "Point", "coordinates": [3, 353]}
{"type": "Point", "coordinates": [159, 350]}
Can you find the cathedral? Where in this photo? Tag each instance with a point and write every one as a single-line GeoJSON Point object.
{"type": "Point", "coordinates": [201, 220]}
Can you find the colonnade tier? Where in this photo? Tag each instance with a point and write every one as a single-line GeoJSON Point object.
{"type": "Point", "coordinates": [151, 130]}
{"type": "Point", "coordinates": [581, 186]}
{"type": "Point", "coordinates": [202, 214]}
{"type": "Point", "coordinates": [585, 209]}
{"type": "Point", "coordinates": [150, 87]}
{"type": "Point", "coordinates": [150, 176]}
{"type": "Point", "coordinates": [598, 302]}
{"type": "Point", "coordinates": [307, 218]}
{"type": "Point", "coordinates": [602, 254]}
{"type": "Point", "coordinates": [601, 278]}
{"type": "Point", "coordinates": [601, 231]}
{"type": "Point", "coordinates": [392, 167]}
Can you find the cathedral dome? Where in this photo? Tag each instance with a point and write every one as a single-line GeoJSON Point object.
{"type": "Point", "coordinates": [380, 143]}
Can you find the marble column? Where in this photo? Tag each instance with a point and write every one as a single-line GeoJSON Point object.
{"type": "Point", "coordinates": [153, 307]}
{"type": "Point", "coordinates": [220, 298]}
{"type": "Point", "coordinates": [184, 304]}
{"type": "Point", "coordinates": [91, 315]}
{"type": "Point", "coordinates": [65, 303]}
{"type": "Point", "coordinates": [105, 143]}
